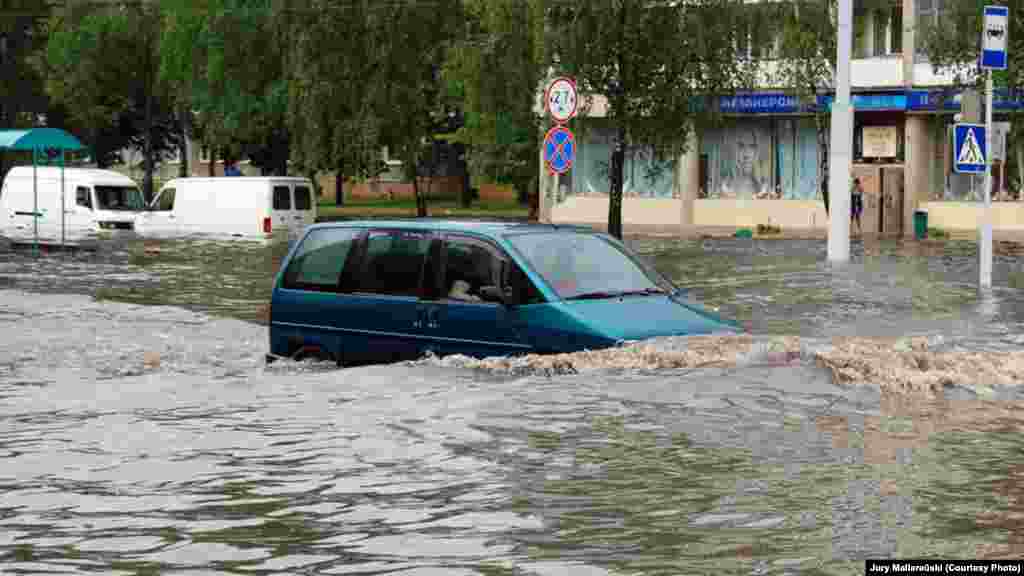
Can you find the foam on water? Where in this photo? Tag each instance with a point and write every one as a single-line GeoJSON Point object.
{"type": "Point", "coordinates": [913, 365]}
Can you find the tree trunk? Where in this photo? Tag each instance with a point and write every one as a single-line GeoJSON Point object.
{"type": "Point", "coordinates": [534, 191]}
{"type": "Point", "coordinates": [615, 195]}
{"type": "Point", "coordinates": [421, 206]}
{"type": "Point", "coordinates": [184, 148]}
{"type": "Point", "coordinates": [211, 168]}
{"type": "Point", "coordinates": [339, 184]}
{"type": "Point", "coordinates": [421, 199]}
{"type": "Point", "coordinates": [823, 159]}
{"type": "Point", "coordinates": [147, 182]}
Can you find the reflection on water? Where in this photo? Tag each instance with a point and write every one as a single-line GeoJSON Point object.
{"type": "Point", "coordinates": [139, 435]}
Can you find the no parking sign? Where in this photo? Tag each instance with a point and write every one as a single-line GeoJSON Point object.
{"type": "Point", "coordinates": [559, 149]}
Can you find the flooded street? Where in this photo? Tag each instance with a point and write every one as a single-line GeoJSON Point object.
{"type": "Point", "coordinates": [141, 432]}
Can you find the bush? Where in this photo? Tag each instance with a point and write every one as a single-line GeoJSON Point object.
{"type": "Point", "coordinates": [768, 229]}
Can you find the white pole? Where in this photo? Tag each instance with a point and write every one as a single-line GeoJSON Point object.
{"type": "Point", "coordinates": [63, 206]}
{"type": "Point", "coordinates": [35, 203]}
{"type": "Point", "coordinates": [841, 145]}
{"type": "Point", "coordinates": [985, 239]}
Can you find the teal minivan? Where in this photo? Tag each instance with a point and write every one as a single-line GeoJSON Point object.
{"type": "Point", "coordinates": [383, 291]}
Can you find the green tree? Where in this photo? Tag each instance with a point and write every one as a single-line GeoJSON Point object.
{"type": "Point", "coordinates": [952, 44]}
{"type": "Point", "coordinates": [102, 91]}
{"type": "Point", "coordinates": [366, 75]}
{"type": "Point", "coordinates": [226, 60]}
{"type": "Point", "coordinates": [23, 98]}
{"type": "Point", "coordinates": [496, 68]}
{"type": "Point", "coordinates": [334, 73]}
{"type": "Point", "coordinates": [411, 106]}
{"type": "Point", "coordinates": [806, 61]}
{"type": "Point", "coordinates": [657, 63]}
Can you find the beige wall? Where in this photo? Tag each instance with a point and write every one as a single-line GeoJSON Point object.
{"type": "Point", "coordinates": [594, 210]}
{"type": "Point", "coordinates": [920, 150]}
{"type": "Point", "coordinates": [668, 212]}
{"type": "Point", "coordinates": [788, 214]}
{"type": "Point", "coordinates": [750, 213]}
{"type": "Point", "coordinates": [966, 215]}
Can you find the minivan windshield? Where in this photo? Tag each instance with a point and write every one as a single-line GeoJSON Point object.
{"type": "Point", "coordinates": [119, 198]}
{"type": "Point", "coordinates": [581, 265]}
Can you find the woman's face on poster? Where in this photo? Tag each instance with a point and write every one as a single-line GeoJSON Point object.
{"type": "Point", "coordinates": [746, 151]}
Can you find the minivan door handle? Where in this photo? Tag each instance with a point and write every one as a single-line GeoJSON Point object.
{"type": "Point", "coordinates": [426, 317]}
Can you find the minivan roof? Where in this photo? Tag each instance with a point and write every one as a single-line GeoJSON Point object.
{"type": "Point", "coordinates": [486, 227]}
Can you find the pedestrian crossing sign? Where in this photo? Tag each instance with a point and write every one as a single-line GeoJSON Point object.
{"type": "Point", "coordinates": [968, 148]}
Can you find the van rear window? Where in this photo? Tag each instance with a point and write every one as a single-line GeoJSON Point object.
{"type": "Point", "coordinates": [303, 199]}
{"type": "Point", "coordinates": [319, 261]}
{"type": "Point", "coordinates": [282, 198]}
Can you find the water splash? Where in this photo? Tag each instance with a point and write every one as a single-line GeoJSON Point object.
{"type": "Point", "coordinates": [911, 365]}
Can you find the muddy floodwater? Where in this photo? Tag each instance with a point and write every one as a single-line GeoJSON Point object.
{"type": "Point", "coordinates": [141, 432]}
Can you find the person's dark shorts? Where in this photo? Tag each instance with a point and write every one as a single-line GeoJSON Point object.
{"type": "Point", "coordinates": [857, 205]}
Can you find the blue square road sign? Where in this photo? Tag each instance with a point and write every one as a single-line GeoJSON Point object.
{"type": "Point", "coordinates": [969, 153]}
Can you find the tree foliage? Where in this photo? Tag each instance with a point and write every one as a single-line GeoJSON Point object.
{"type": "Point", "coordinates": [366, 75]}
{"type": "Point", "coordinates": [953, 45]}
{"type": "Point", "coordinates": [101, 63]}
{"type": "Point", "coordinates": [497, 68]}
{"type": "Point", "coordinates": [656, 63]}
{"type": "Point", "coordinates": [227, 61]}
{"type": "Point", "coordinates": [334, 68]}
{"type": "Point", "coordinates": [806, 62]}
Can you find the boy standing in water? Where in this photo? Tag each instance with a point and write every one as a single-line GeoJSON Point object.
{"type": "Point", "coordinates": [856, 202]}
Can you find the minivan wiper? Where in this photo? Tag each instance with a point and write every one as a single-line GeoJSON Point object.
{"type": "Point", "coordinates": [605, 295]}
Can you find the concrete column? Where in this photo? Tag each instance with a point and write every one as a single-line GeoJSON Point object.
{"type": "Point", "coordinates": [917, 183]}
{"type": "Point", "coordinates": [687, 182]}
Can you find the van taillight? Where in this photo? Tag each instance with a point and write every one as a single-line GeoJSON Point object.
{"type": "Point", "coordinates": [266, 225]}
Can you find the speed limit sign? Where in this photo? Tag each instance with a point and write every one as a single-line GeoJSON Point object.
{"type": "Point", "coordinates": [561, 99]}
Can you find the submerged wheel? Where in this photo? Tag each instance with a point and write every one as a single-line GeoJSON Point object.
{"type": "Point", "coordinates": [315, 353]}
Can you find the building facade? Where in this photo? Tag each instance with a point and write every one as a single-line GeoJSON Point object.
{"type": "Point", "coordinates": [761, 165]}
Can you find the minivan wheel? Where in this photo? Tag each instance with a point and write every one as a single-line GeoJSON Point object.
{"type": "Point", "coordinates": [312, 352]}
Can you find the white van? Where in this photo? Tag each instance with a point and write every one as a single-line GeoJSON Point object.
{"type": "Point", "coordinates": [230, 206]}
{"type": "Point", "coordinates": [95, 202]}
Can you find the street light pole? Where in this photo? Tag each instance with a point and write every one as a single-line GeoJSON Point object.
{"type": "Point", "coordinates": [840, 149]}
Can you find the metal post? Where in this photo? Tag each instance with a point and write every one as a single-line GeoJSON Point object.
{"type": "Point", "coordinates": [35, 204]}
{"type": "Point", "coordinates": [841, 142]}
{"type": "Point", "coordinates": [985, 239]}
{"type": "Point", "coordinates": [63, 205]}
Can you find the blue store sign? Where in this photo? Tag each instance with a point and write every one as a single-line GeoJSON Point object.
{"type": "Point", "coordinates": [884, 101]}
{"type": "Point", "coordinates": [922, 100]}
{"type": "Point", "coordinates": [759, 103]}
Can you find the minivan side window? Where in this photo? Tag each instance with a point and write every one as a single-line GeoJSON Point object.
{"type": "Point", "coordinates": [320, 260]}
{"type": "Point", "coordinates": [469, 265]}
{"type": "Point", "coordinates": [282, 198]}
{"type": "Point", "coordinates": [393, 263]}
{"type": "Point", "coordinates": [83, 197]}
{"type": "Point", "coordinates": [523, 288]}
{"type": "Point", "coordinates": [166, 201]}
{"type": "Point", "coordinates": [302, 198]}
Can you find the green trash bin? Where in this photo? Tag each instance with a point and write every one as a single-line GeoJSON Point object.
{"type": "Point", "coordinates": [920, 224]}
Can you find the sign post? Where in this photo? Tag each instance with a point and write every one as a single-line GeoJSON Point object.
{"type": "Point", "coordinates": [558, 149]}
{"type": "Point", "coordinates": [993, 57]}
